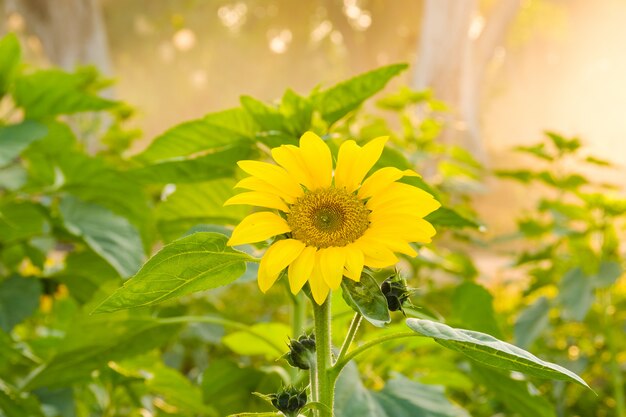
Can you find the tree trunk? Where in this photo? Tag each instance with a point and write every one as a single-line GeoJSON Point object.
{"type": "Point", "coordinates": [72, 32]}
{"type": "Point", "coordinates": [453, 52]}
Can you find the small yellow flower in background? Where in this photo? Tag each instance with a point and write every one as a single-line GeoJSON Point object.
{"type": "Point", "coordinates": [335, 224]}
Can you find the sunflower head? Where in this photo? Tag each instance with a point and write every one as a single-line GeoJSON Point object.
{"type": "Point", "coordinates": [331, 223]}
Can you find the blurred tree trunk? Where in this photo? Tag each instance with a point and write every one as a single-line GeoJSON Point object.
{"type": "Point", "coordinates": [454, 48]}
{"type": "Point", "coordinates": [72, 32]}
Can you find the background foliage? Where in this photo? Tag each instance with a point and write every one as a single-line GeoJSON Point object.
{"type": "Point", "coordinates": [79, 216]}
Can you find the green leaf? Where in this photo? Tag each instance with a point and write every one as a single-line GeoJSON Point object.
{"type": "Point", "coordinates": [268, 117]}
{"type": "Point", "coordinates": [522, 176]}
{"type": "Point", "coordinates": [212, 133]}
{"type": "Point", "coordinates": [198, 262]}
{"type": "Point", "coordinates": [10, 55]}
{"type": "Point", "coordinates": [576, 294]}
{"type": "Point", "coordinates": [15, 138]}
{"type": "Point", "coordinates": [17, 404]}
{"type": "Point", "coordinates": [19, 298]}
{"type": "Point", "coordinates": [173, 387]}
{"type": "Point", "coordinates": [22, 220]}
{"type": "Point", "coordinates": [538, 150]}
{"type": "Point", "coordinates": [597, 161]}
{"type": "Point", "coordinates": [446, 217]}
{"type": "Point", "coordinates": [403, 98]}
{"type": "Point", "coordinates": [531, 322]}
{"type": "Point", "coordinates": [518, 396]}
{"type": "Point", "coordinates": [366, 298]}
{"type": "Point", "coordinates": [472, 306]}
{"type": "Point", "coordinates": [297, 111]}
{"type": "Point", "coordinates": [109, 235]}
{"type": "Point", "coordinates": [51, 92]}
{"type": "Point", "coordinates": [244, 343]}
{"type": "Point", "coordinates": [491, 351]}
{"type": "Point", "coordinates": [608, 273]}
{"type": "Point", "coordinates": [400, 397]}
{"type": "Point", "coordinates": [227, 385]}
{"type": "Point", "coordinates": [195, 204]}
{"type": "Point", "coordinates": [562, 144]}
{"type": "Point", "coordinates": [94, 341]}
{"type": "Point", "coordinates": [339, 100]}
{"type": "Point", "coordinates": [219, 164]}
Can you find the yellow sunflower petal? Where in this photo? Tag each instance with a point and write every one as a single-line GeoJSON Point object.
{"type": "Point", "coordinates": [349, 153]}
{"type": "Point", "coordinates": [381, 179]}
{"type": "Point", "coordinates": [290, 158]}
{"type": "Point", "coordinates": [300, 269]}
{"type": "Point", "coordinates": [319, 289]}
{"type": "Point", "coordinates": [256, 184]}
{"type": "Point", "coordinates": [404, 194]}
{"type": "Point", "coordinates": [354, 162]}
{"type": "Point", "coordinates": [257, 198]}
{"type": "Point", "coordinates": [375, 254]}
{"type": "Point", "coordinates": [317, 159]}
{"type": "Point", "coordinates": [272, 174]}
{"type": "Point", "coordinates": [395, 244]}
{"type": "Point", "coordinates": [407, 228]}
{"type": "Point", "coordinates": [276, 258]}
{"type": "Point", "coordinates": [258, 227]}
{"type": "Point", "coordinates": [331, 262]}
{"type": "Point", "coordinates": [354, 262]}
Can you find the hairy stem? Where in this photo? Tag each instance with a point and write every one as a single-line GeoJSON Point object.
{"type": "Point", "coordinates": [325, 384]}
{"type": "Point", "coordinates": [354, 327]}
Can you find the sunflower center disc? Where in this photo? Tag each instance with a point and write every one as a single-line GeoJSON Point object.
{"type": "Point", "coordinates": [331, 217]}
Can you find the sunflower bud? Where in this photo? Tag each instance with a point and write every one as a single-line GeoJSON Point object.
{"type": "Point", "coordinates": [289, 400]}
{"type": "Point", "coordinates": [395, 291]}
{"type": "Point", "coordinates": [301, 352]}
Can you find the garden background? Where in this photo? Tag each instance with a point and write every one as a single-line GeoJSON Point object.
{"type": "Point", "coordinates": [511, 110]}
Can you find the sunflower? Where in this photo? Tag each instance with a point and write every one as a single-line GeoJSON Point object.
{"type": "Point", "coordinates": [331, 223]}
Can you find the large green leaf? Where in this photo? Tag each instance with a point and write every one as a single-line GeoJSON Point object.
{"type": "Point", "coordinates": [175, 389]}
{"type": "Point", "coordinates": [215, 165]}
{"type": "Point", "coordinates": [15, 138]}
{"type": "Point", "coordinates": [109, 235]}
{"type": "Point", "coordinates": [227, 385]}
{"type": "Point", "coordinates": [366, 298]}
{"type": "Point", "coordinates": [339, 100]}
{"type": "Point", "coordinates": [400, 397]}
{"type": "Point", "coordinates": [56, 162]}
{"type": "Point", "coordinates": [10, 55]}
{"type": "Point", "coordinates": [209, 134]}
{"type": "Point", "coordinates": [17, 404]}
{"type": "Point", "coordinates": [198, 262]}
{"type": "Point", "coordinates": [195, 204]}
{"type": "Point", "coordinates": [514, 395]}
{"type": "Point", "coordinates": [94, 341]}
{"type": "Point", "coordinates": [491, 351]}
{"type": "Point", "coordinates": [51, 92]}
{"type": "Point", "coordinates": [21, 220]}
{"type": "Point", "coordinates": [19, 298]}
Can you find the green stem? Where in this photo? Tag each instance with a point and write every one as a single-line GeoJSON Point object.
{"type": "Point", "coordinates": [325, 385]}
{"type": "Point", "coordinates": [339, 365]}
{"type": "Point", "coordinates": [354, 327]}
{"type": "Point", "coordinates": [226, 323]}
{"type": "Point", "coordinates": [298, 318]}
